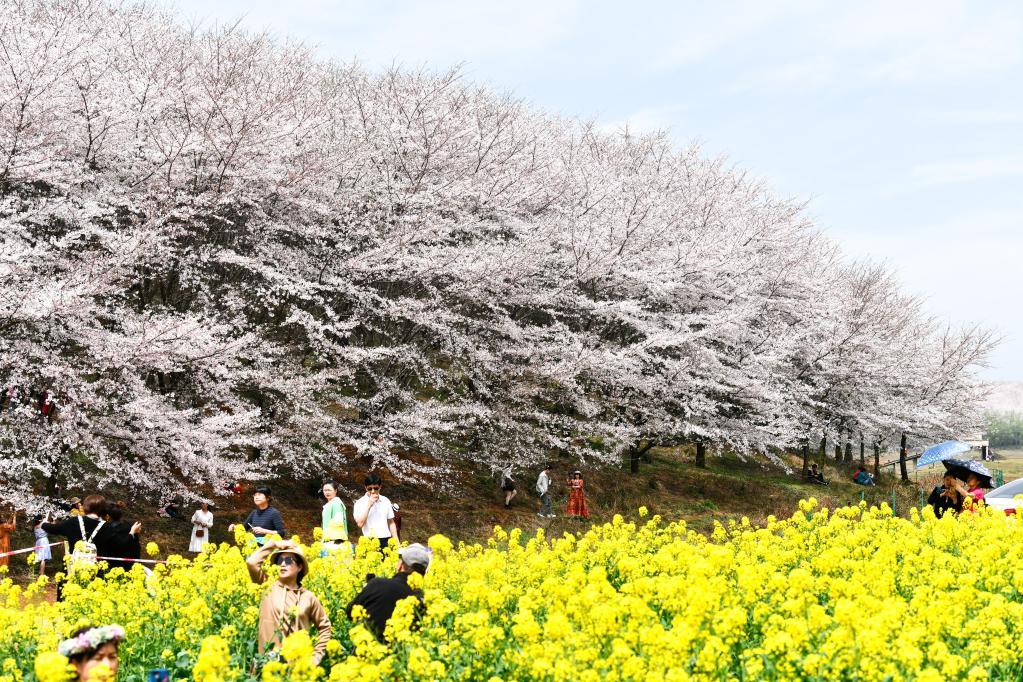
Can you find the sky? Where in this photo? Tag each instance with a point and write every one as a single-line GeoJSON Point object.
{"type": "Point", "coordinates": [900, 124]}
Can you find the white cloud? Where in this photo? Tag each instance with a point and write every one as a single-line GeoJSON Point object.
{"type": "Point", "coordinates": [648, 120]}
{"type": "Point", "coordinates": [441, 32]}
{"type": "Point", "coordinates": [697, 31]}
{"type": "Point", "coordinates": [964, 170]}
{"type": "Point", "coordinates": [991, 116]}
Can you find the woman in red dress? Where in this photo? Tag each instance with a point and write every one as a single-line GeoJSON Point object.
{"type": "Point", "coordinates": [5, 539]}
{"type": "Point", "coordinates": [576, 496]}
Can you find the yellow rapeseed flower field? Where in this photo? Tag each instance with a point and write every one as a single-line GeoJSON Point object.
{"type": "Point", "coordinates": [853, 594]}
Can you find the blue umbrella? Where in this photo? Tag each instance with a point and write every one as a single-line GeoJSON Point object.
{"type": "Point", "coordinates": [946, 450]}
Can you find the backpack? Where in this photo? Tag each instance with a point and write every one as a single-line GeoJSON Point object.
{"type": "Point", "coordinates": [85, 549]}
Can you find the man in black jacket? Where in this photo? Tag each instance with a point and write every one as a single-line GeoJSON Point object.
{"type": "Point", "coordinates": [380, 595]}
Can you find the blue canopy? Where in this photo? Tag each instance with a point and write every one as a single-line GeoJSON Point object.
{"type": "Point", "coordinates": [946, 450]}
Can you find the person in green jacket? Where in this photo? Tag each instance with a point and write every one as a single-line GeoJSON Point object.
{"type": "Point", "coordinates": [335, 517]}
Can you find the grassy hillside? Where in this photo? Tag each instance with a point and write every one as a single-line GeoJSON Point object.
{"type": "Point", "coordinates": [668, 484]}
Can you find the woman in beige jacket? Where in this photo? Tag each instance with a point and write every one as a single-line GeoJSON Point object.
{"type": "Point", "coordinates": [278, 615]}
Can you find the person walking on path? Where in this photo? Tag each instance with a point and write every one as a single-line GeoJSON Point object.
{"type": "Point", "coordinates": [380, 595]}
{"type": "Point", "coordinates": [577, 497]}
{"type": "Point", "coordinates": [374, 514]}
{"type": "Point", "coordinates": [508, 486]}
{"type": "Point", "coordinates": [42, 544]}
{"type": "Point", "coordinates": [264, 520]}
{"type": "Point", "coordinates": [202, 521]}
{"type": "Point", "coordinates": [5, 538]}
{"type": "Point", "coordinates": [287, 607]}
{"type": "Point", "coordinates": [334, 519]}
{"type": "Point", "coordinates": [543, 486]}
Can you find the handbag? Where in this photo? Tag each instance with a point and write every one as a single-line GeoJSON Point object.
{"type": "Point", "coordinates": [199, 532]}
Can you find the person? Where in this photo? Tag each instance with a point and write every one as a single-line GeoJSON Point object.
{"type": "Point", "coordinates": [379, 596]}
{"type": "Point", "coordinates": [5, 538]}
{"type": "Point", "coordinates": [110, 540]}
{"type": "Point", "coordinates": [202, 521]}
{"type": "Point", "coordinates": [816, 476]}
{"type": "Point", "coordinates": [972, 490]}
{"type": "Point", "coordinates": [334, 518]}
{"type": "Point", "coordinates": [42, 543]}
{"type": "Point", "coordinates": [508, 486]}
{"type": "Point", "coordinates": [264, 519]}
{"type": "Point", "coordinates": [946, 497]}
{"type": "Point", "coordinates": [397, 518]}
{"type": "Point", "coordinates": [543, 486]}
{"type": "Point", "coordinates": [374, 513]}
{"type": "Point", "coordinates": [287, 607]}
{"type": "Point", "coordinates": [577, 497]}
{"type": "Point", "coordinates": [89, 647]}
{"type": "Point", "coordinates": [862, 477]}
{"type": "Point", "coordinates": [126, 544]}
{"type": "Point", "coordinates": [75, 507]}
{"type": "Point", "coordinates": [171, 510]}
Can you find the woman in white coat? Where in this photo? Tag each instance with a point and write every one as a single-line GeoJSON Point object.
{"type": "Point", "coordinates": [202, 521]}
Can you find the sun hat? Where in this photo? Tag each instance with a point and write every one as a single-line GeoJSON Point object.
{"type": "Point", "coordinates": [297, 551]}
{"type": "Point", "coordinates": [415, 555]}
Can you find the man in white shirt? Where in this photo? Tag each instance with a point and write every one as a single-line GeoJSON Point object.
{"type": "Point", "coordinates": [374, 513]}
{"type": "Point", "coordinates": [543, 485]}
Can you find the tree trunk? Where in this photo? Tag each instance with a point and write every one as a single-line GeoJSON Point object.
{"type": "Point", "coordinates": [824, 449]}
{"type": "Point", "coordinates": [806, 460]}
{"type": "Point", "coordinates": [903, 453]}
{"type": "Point", "coordinates": [863, 452]}
{"type": "Point", "coordinates": [838, 448]}
{"type": "Point", "coordinates": [877, 459]}
{"type": "Point", "coordinates": [848, 448]}
{"type": "Point", "coordinates": [701, 455]}
{"type": "Point", "coordinates": [636, 451]}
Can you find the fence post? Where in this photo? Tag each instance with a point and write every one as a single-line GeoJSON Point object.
{"type": "Point", "coordinates": [895, 511]}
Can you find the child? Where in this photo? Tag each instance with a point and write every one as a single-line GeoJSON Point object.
{"type": "Point", "coordinates": [287, 606]}
{"type": "Point", "coordinates": [42, 542]}
{"type": "Point", "coordinates": [90, 647]}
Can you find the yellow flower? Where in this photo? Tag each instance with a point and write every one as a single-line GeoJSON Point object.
{"type": "Point", "coordinates": [52, 667]}
{"type": "Point", "coordinates": [213, 664]}
{"type": "Point", "coordinates": [100, 673]}
{"type": "Point", "coordinates": [152, 549]}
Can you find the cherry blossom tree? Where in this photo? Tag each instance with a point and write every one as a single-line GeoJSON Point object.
{"type": "Point", "coordinates": [223, 258]}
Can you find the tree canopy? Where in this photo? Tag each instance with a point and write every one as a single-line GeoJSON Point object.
{"type": "Point", "coordinates": [222, 257]}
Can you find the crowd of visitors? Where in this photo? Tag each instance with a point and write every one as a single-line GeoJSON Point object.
{"type": "Point", "coordinates": [96, 529]}
{"type": "Point", "coordinates": [42, 401]}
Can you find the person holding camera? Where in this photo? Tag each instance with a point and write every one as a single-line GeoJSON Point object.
{"type": "Point", "coordinates": [374, 513]}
